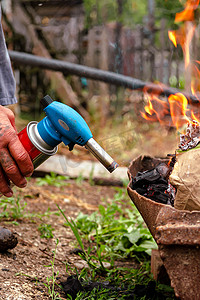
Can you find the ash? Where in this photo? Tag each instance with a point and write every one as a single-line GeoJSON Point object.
{"type": "Point", "coordinates": [192, 137]}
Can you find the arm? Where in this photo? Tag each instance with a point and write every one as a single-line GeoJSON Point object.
{"type": "Point", "coordinates": [15, 162]}
{"type": "Point", "coordinates": [14, 159]}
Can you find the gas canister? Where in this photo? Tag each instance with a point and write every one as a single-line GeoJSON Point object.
{"type": "Point", "coordinates": [37, 148]}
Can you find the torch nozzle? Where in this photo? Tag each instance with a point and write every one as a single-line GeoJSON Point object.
{"type": "Point", "coordinates": [101, 155]}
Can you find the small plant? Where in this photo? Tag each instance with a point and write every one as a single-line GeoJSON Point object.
{"type": "Point", "coordinates": [51, 281]}
{"type": "Point", "coordinates": [93, 261]}
{"type": "Point", "coordinates": [52, 179]}
{"type": "Point", "coordinates": [46, 231]}
{"type": "Point", "coordinates": [121, 229]}
{"type": "Point", "coordinates": [79, 179]}
{"type": "Point", "coordinates": [11, 208]}
{"type": "Point", "coordinates": [41, 216]}
{"type": "Point", "coordinates": [122, 282]}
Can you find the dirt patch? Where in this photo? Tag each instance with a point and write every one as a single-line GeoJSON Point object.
{"type": "Point", "coordinates": [22, 270]}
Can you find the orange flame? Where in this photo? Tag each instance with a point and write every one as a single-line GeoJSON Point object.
{"type": "Point", "coordinates": [188, 13]}
{"type": "Point", "coordinates": [158, 110]}
{"type": "Point", "coordinates": [172, 37]}
{"type": "Point", "coordinates": [184, 34]}
{"type": "Point", "coordinates": [178, 108]}
{"type": "Point", "coordinates": [177, 105]}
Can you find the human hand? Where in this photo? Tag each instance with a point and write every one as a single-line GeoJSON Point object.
{"type": "Point", "coordinates": [15, 162]}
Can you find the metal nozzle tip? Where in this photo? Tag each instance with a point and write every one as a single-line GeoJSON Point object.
{"type": "Point", "coordinates": [113, 166]}
{"type": "Point", "coordinates": [101, 155]}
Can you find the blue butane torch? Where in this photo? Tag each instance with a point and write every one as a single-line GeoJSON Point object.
{"type": "Point", "coordinates": [61, 124]}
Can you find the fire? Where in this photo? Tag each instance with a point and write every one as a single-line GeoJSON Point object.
{"type": "Point", "coordinates": [177, 105]}
{"type": "Point", "coordinates": [156, 109]}
{"type": "Point", "coordinates": [172, 37]}
{"type": "Point", "coordinates": [185, 33]}
{"type": "Point", "coordinates": [188, 13]}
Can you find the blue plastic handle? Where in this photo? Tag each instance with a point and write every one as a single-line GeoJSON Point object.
{"type": "Point", "coordinates": [63, 124]}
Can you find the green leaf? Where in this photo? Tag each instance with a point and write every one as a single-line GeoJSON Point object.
{"type": "Point", "coordinates": [73, 228]}
{"type": "Point", "coordinates": [102, 210]}
{"type": "Point", "coordinates": [133, 237]}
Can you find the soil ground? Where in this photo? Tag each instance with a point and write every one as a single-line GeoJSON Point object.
{"type": "Point", "coordinates": [22, 269]}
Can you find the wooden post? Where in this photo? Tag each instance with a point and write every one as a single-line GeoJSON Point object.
{"type": "Point", "coordinates": [151, 25]}
{"type": "Point", "coordinates": [57, 79]}
{"type": "Point", "coordinates": [162, 49]}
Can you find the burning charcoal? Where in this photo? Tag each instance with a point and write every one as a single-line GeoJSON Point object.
{"type": "Point", "coordinates": [8, 239]}
{"type": "Point", "coordinates": [154, 185]}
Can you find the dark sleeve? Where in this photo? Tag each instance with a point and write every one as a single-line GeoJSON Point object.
{"type": "Point", "coordinates": [7, 82]}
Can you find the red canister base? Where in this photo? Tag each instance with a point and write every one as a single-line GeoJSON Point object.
{"type": "Point", "coordinates": [30, 148]}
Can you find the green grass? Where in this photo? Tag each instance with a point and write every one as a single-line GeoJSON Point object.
{"type": "Point", "coordinates": [46, 231]}
{"type": "Point", "coordinates": [12, 208]}
{"type": "Point", "coordinates": [115, 232]}
{"type": "Point", "coordinates": [120, 230]}
{"type": "Point", "coordinates": [52, 280]}
{"type": "Point", "coordinates": [15, 209]}
{"type": "Point", "coordinates": [53, 180]}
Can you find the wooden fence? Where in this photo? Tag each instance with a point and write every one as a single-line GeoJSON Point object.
{"type": "Point", "coordinates": [143, 55]}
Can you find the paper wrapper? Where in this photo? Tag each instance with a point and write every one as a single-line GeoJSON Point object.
{"type": "Point", "coordinates": [186, 178]}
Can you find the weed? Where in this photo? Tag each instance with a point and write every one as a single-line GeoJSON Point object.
{"type": "Point", "coordinates": [120, 230]}
{"type": "Point", "coordinates": [47, 214]}
{"type": "Point", "coordinates": [124, 283]}
{"type": "Point", "coordinates": [51, 281]}
{"type": "Point", "coordinates": [52, 179]}
{"type": "Point", "coordinates": [94, 262]}
{"type": "Point", "coordinates": [79, 179]}
{"type": "Point", "coordinates": [46, 231]}
{"type": "Point", "coordinates": [32, 278]}
{"type": "Point", "coordinates": [115, 231]}
{"type": "Point", "coordinates": [11, 208]}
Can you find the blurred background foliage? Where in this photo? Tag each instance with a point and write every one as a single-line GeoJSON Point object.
{"type": "Point", "coordinates": [122, 36]}
{"type": "Point", "coordinates": [100, 12]}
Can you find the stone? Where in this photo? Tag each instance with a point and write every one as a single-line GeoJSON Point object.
{"type": "Point", "coordinates": [8, 239]}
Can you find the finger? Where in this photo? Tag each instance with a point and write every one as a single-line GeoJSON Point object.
{"type": "Point", "coordinates": [5, 188]}
{"type": "Point", "coordinates": [10, 116]}
{"type": "Point", "coordinates": [21, 157]}
{"type": "Point", "coordinates": [11, 169]}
